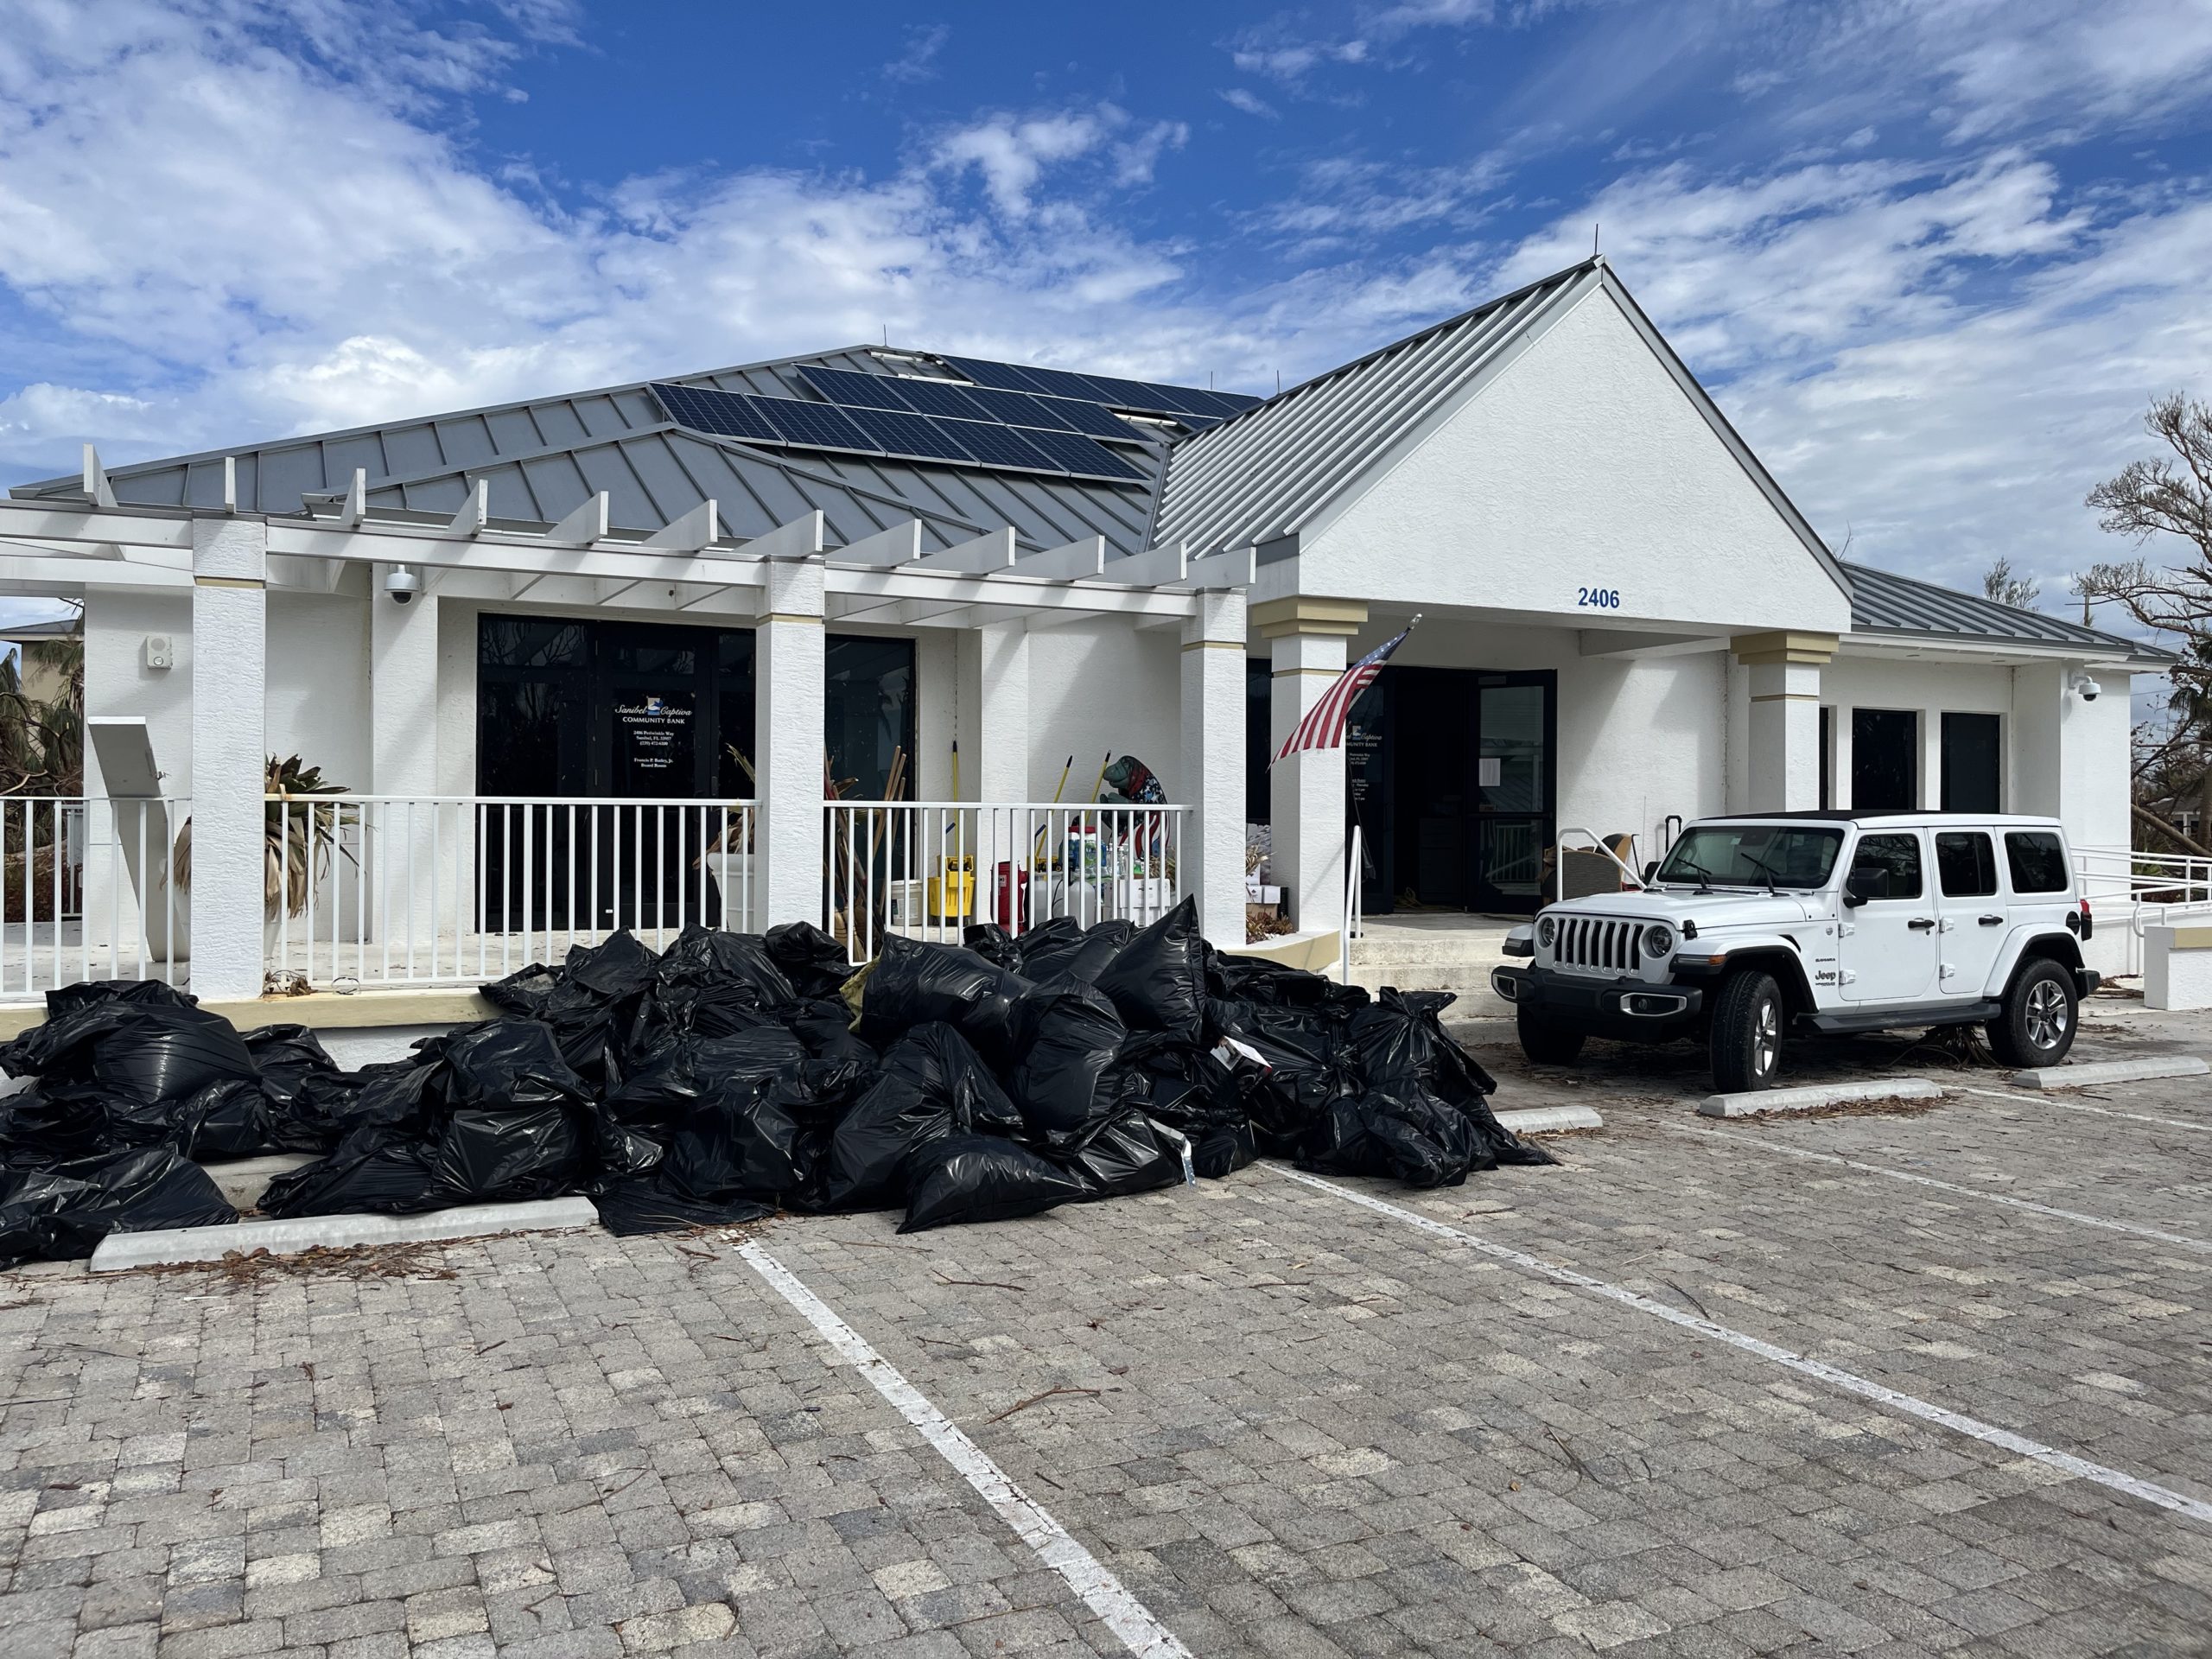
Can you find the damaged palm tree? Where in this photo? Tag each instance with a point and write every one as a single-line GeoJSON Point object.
{"type": "Point", "coordinates": [300, 836]}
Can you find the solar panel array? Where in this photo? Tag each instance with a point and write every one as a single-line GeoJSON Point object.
{"type": "Point", "coordinates": [1027, 419]}
{"type": "Point", "coordinates": [898, 434]}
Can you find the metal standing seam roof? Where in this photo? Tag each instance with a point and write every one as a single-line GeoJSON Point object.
{"type": "Point", "coordinates": [1264, 474]}
{"type": "Point", "coordinates": [541, 457]}
{"type": "Point", "coordinates": [1883, 601]}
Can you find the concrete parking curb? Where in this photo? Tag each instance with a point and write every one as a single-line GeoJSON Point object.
{"type": "Point", "coordinates": [1812, 1097]}
{"type": "Point", "coordinates": [118, 1252]}
{"type": "Point", "coordinates": [2095, 1071]}
{"type": "Point", "coordinates": [1550, 1120]}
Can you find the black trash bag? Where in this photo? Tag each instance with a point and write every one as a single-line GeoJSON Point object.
{"type": "Point", "coordinates": [1293, 1073]}
{"type": "Point", "coordinates": [691, 1075]}
{"type": "Point", "coordinates": [1063, 948]}
{"type": "Point", "coordinates": [1128, 1153]}
{"type": "Point", "coordinates": [1189, 1090]}
{"type": "Point", "coordinates": [712, 983]}
{"type": "Point", "coordinates": [744, 1143]}
{"type": "Point", "coordinates": [1069, 1034]}
{"type": "Point", "coordinates": [825, 1025]}
{"type": "Point", "coordinates": [1416, 1139]}
{"type": "Point", "coordinates": [1232, 978]}
{"type": "Point", "coordinates": [314, 1115]}
{"type": "Point", "coordinates": [1157, 981]}
{"type": "Point", "coordinates": [619, 967]}
{"type": "Point", "coordinates": [815, 963]}
{"type": "Point", "coordinates": [36, 1127]}
{"type": "Point", "coordinates": [515, 1128]}
{"type": "Point", "coordinates": [592, 1002]}
{"type": "Point", "coordinates": [166, 1072]}
{"type": "Point", "coordinates": [911, 983]}
{"type": "Point", "coordinates": [982, 1178]}
{"type": "Point", "coordinates": [380, 1163]}
{"type": "Point", "coordinates": [289, 1059]}
{"type": "Point", "coordinates": [30, 1053]}
{"type": "Point", "coordinates": [994, 945]}
{"type": "Point", "coordinates": [933, 1084]}
{"type": "Point", "coordinates": [1398, 1044]}
{"type": "Point", "coordinates": [630, 1207]}
{"type": "Point", "coordinates": [62, 1211]}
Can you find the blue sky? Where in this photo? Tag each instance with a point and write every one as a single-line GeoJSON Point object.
{"type": "Point", "coordinates": [1932, 257]}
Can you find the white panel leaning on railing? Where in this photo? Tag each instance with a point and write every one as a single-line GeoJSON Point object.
{"type": "Point", "coordinates": [386, 891]}
{"type": "Point", "coordinates": [928, 870]}
{"type": "Point", "coordinates": [91, 892]}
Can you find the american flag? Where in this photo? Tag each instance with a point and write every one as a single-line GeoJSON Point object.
{"type": "Point", "coordinates": [1324, 725]}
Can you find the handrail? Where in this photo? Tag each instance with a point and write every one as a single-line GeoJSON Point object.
{"type": "Point", "coordinates": [1355, 922]}
{"type": "Point", "coordinates": [1558, 863]}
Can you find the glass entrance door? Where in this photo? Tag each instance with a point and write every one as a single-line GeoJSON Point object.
{"type": "Point", "coordinates": [1512, 828]}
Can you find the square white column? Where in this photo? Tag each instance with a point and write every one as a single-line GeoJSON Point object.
{"type": "Point", "coordinates": [1306, 792]}
{"type": "Point", "coordinates": [789, 701]}
{"type": "Point", "coordinates": [230, 625]}
{"type": "Point", "coordinates": [999, 767]}
{"type": "Point", "coordinates": [403, 838]}
{"type": "Point", "coordinates": [1784, 734]}
{"type": "Point", "coordinates": [1212, 785]}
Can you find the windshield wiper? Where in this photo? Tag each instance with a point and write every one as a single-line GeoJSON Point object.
{"type": "Point", "coordinates": [1703, 874]}
{"type": "Point", "coordinates": [1762, 867]}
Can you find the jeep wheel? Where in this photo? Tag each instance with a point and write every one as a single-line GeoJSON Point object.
{"type": "Point", "coordinates": [1746, 1032]}
{"type": "Point", "coordinates": [2036, 1026]}
{"type": "Point", "coordinates": [1546, 1042]}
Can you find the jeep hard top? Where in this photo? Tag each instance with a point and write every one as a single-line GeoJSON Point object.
{"type": "Point", "coordinates": [1759, 925]}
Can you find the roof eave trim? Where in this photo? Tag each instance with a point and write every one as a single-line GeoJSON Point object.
{"type": "Point", "coordinates": [2116, 651]}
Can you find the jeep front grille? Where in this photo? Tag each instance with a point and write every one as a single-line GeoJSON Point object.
{"type": "Point", "coordinates": [1598, 944]}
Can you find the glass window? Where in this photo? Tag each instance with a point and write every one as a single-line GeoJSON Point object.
{"type": "Point", "coordinates": [1885, 760]}
{"type": "Point", "coordinates": [869, 712]}
{"type": "Point", "coordinates": [1259, 699]}
{"type": "Point", "coordinates": [1754, 855]}
{"type": "Point", "coordinates": [1966, 864]}
{"type": "Point", "coordinates": [1970, 764]}
{"type": "Point", "coordinates": [2039, 860]}
{"type": "Point", "coordinates": [1887, 867]}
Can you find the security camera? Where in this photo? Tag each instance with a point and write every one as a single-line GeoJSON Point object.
{"type": "Point", "coordinates": [402, 584]}
{"type": "Point", "coordinates": [2086, 689]}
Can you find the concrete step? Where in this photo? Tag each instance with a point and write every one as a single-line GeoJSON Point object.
{"type": "Point", "coordinates": [1476, 999]}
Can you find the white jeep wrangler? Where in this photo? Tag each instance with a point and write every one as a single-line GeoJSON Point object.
{"type": "Point", "coordinates": [1827, 922]}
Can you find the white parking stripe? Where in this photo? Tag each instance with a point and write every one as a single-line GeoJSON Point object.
{"type": "Point", "coordinates": [2202, 1246]}
{"type": "Point", "coordinates": [2165, 1498]}
{"type": "Point", "coordinates": [2077, 1106]}
{"type": "Point", "coordinates": [1103, 1593]}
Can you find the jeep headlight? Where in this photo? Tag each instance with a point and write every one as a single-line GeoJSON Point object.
{"type": "Point", "coordinates": [1658, 938]}
{"type": "Point", "coordinates": [1547, 930]}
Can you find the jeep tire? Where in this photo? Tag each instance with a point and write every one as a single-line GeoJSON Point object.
{"type": "Point", "coordinates": [1546, 1042]}
{"type": "Point", "coordinates": [1746, 1036]}
{"type": "Point", "coordinates": [2040, 1014]}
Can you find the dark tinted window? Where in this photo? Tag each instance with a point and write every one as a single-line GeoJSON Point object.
{"type": "Point", "coordinates": [1970, 763]}
{"type": "Point", "coordinates": [1885, 760]}
{"type": "Point", "coordinates": [1259, 693]}
{"type": "Point", "coordinates": [1887, 867]}
{"type": "Point", "coordinates": [2038, 862]}
{"type": "Point", "coordinates": [1966, 864]}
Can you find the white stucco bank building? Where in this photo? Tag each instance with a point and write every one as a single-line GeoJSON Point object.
{"type": "Point", "coordinates": [648, 628]}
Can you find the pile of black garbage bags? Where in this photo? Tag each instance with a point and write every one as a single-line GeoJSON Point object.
{"type": "Point", "coordinates": [732, 1075]}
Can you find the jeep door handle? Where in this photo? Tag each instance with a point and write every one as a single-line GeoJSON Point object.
{"type": "Point", "coordinates": [1921, 923]}
{"type": "Point", "coordinates": [1992, 921]}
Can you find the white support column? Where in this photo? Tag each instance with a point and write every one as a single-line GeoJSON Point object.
{"type": "Point", "coordinates": [229, 680]}
{"type": "Point", "coordinates": [1306, 794]}
{"type": "Point", "coordinates": [1212, 863]}
{"type": "Point", "coordinates": [1002, 759]}
{"type": "Point", "coordinates": [1785, 718]}
{"type": "Point", "coordinates": [403, 762]}
{"type": "Point", "coordinates": [789, 701]}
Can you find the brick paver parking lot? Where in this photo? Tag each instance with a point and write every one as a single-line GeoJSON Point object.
{"type": "Point", "coordinates": [1284, 1423]}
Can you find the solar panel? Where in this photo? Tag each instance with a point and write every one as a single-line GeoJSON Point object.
{"type": "Point", "coordinates": [725, 414]}
{"type": "Point", "coordinates": [864, 390]}
{"type": "Point", "coordinates": [1004, 376]}
{"type": "Point", "coordinates": [1234, 403]}
{"type": "Point", "coordinates": [898, 433]}
{"type": "Point", "coordinates": [936, 397]}
{"type": "Point", "coordinates": [1059, 383]}
{"type": "Point", "coordinates": [1002, 446]}
{"type": "Point", "coordinates": [1014, 409]}
{"type": "Point", "coordinates": [1089, 418]}
{"type": "Point", "coordinates": [1181, 400]}
{"type": "Point", "coordinates": [1077, 453]}
{"type": "Point", "coordinates": [816, 425]}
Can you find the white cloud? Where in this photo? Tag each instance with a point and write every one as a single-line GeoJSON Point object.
{"type": "Point", "coordinates": [918, 62]}
{"type": "Point", "coordinates": [1251, 103]}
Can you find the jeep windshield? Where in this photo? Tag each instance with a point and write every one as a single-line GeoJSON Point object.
{"type": "Point", "coordinates": [1752, 856]}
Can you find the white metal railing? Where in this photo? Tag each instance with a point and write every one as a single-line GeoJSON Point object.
{"type": "Point", "coordinates": [2127, 885]}
{"type": "Point", "coordinates": [1561, 848]}
{"type": "Point", "coordinates": [928, 870]}
{"type": "Point", "coordinates": [90, 892]}
{"type": "Point", "coordinates": [1355, 920]}
{"type": "Point", "coordinates": [385, 890]}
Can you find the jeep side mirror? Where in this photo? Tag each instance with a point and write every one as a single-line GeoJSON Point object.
{"type": "Point", "coordinates": [1650, 869]}
{"type": "Point", "coordinates": [1852, 898]}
